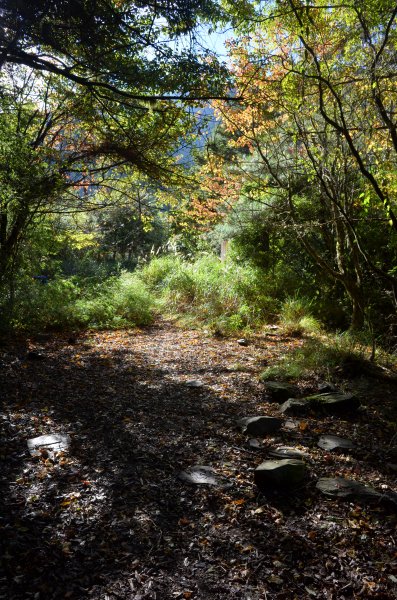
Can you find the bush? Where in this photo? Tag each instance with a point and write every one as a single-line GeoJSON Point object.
{"type": "Point", "coordinates": [180, 287]}
{"type": "Point", "coordinates": [38, 306]}
{"type": "Point", "coordinates": [318, 357]}
{"type": "Point", "coordinates": [295, 317]}
{"type": "Point", "coordinates": [155, 273]}
{"type": "Point", "coordinates": [134, 301]}
{"type": "Point", "coordinates": [121, 301]}
{"type": "Point", "coordinates": [69, 303]}
{"type": "Point", "coordinates": [222, 296]}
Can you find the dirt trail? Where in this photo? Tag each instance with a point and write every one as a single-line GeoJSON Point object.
{"type": "Point", "coordinates": [110, 519]}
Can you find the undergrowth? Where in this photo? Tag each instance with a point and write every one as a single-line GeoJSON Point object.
{"type": "Point", "coordinates": [223, 296]}
{"type": "Point", "coordinates": [295, 317]}
{"type": "Point", "coordinates": [320, 356]}
{"type": "Point", "coordinates": [76, 303]}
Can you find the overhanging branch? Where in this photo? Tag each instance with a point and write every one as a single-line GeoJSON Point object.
{"type": "Point", "coordinates": [34, 62]}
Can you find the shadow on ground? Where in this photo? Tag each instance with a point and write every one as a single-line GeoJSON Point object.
{"type": "Point", "coordinates": [109, 519]}
{"type": "Point", "coordinates": [73, 525]}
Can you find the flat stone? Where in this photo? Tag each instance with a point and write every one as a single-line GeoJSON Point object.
{"type": "Point", "coordinates": [333, 442]}
{"type": "Point", "coordinates": [347, 489]}
{"type": "Point", "coordinates": [334, 402]}
{"type": "Point", "coordinates": [280, 474]}
{"type": "Point", "coordinates": [295, 406]}
{"type": "Point", "coordinates": [254, 443]}
{"type": "Point", "coordinates": [326, 387]}
{"type": "Point", "coordinates": [287, 452]}
{"type": "Point", "coordinates": [260, 425]}
{"type": "Point", "coordinates": [201, 475]}
{"type": "Point", "coordinates": [331, 403]}
{"type": "Point", "coordinates": [51, 443]}
{"type": "Point", "coordinates": [194, 383]}
{"type": "Point", "coordinates": [280, 391]}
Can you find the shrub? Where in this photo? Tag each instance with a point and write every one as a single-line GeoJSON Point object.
{"type": "Point", "coordinates": [222, 296]}
{"type": "Point", "coordinates": [119, 302]}
{"type": "Point", "coordinates": [318, 357]}
{"type": "Point", "coordinates": [155, 273]}
{"type": "Point", "coordinates": [69, 303]}
{"type": "Point", "coordinates": [295, 317]}
{"type": "Point", "coordinates": [38, 306]}
{"type": "Point", "coordinates": [133, 300]}
{"type": "Point", "coordinates": [180, 287]}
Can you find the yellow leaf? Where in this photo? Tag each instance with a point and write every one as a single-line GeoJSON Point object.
{"type": "Point", "coordinates": [259, 511]}
{"type": "Point", "coordinates": [353, 524]}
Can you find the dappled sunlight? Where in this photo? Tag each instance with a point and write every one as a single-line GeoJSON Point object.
{"type": "Point", "coordinates": [113, 511]}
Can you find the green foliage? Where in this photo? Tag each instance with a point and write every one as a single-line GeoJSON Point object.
{"type": "Point", "coordinates": [156, 272]}
{"type": "Point", "coordinates": [119, 302]}
{"type": "Point", "coordinates": [127, 234]}
{"type": "Point", "coordinates": [222, 296]}
{"type": "Point", "coordinates": [295, 316]}
{"type": "Point", "coordinates": [27, 179]}
{"type": "Point", "coordinates": [38, 306]}
{"type": "Point", "coordinates": [318, 357]}
{"type": "Point", "coordinates": [111, 45]}
{"type": "Point", "coordinates": [294, 308]}
{"type": "Point", "coordinates": [257, 238]}
{"type": "Point", "coordinates": [74, 303]}
{"type": "Point", "coordinates": [321, 157]}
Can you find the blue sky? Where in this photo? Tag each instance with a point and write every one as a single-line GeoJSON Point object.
{"type": "Point", "coordinates": [215, 41]}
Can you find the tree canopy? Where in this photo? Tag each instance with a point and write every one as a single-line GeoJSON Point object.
{"type": "Point", "coordinates": [318, 119]}
{"type": "Point", "coordinates": [135, 50]}
{"type": "Point", "coordinates": [77, 80]}
{"type": "Point", "coordinates": [100, 98]}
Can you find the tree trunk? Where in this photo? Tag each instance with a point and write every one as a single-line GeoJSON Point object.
{"type": "Point", "coordinates": [358, 305]}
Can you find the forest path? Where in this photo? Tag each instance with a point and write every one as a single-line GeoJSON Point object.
{"type": "Point", "coordinates": [110, 519]}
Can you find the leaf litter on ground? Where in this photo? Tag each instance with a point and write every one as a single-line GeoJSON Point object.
{"type": "Point", "coordinates": [108, 516]}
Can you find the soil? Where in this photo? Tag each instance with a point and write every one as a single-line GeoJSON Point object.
{"type": "Point", "coordinates": [110, 519]}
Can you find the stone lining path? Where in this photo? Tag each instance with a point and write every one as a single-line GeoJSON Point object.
{"type": "Point", "coordinates": [109, 515]}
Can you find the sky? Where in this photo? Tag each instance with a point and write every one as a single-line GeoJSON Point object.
{"type": "Point", "coordinates": [215, 41]}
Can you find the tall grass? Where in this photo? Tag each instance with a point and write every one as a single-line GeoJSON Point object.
{"type": "Point", "coordinates": [295, 316]}
{"type": "Point", "coordinates": [119, 302]}
{"type": "Point", "coordinates": [225, 297]}
{"type": "Point", "coordinates": [74, 303]}
{"type": "Point", "coordinates": [320, 356]}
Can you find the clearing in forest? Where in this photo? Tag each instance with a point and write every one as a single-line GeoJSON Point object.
{"type": "Point", "coordinates": [109, 517]}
